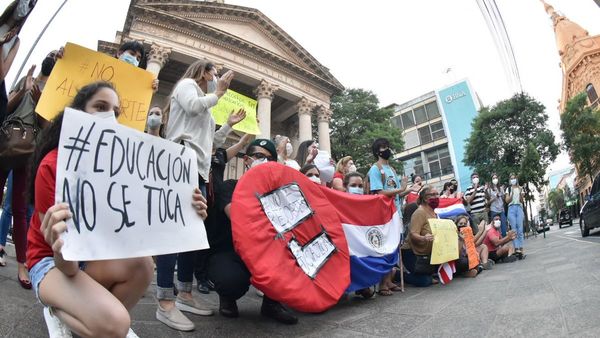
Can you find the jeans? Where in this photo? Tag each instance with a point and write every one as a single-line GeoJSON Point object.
{"type": "Point", "coordinates": [515, 218]}
{"type": "Point", "coordinates": [229, 273]}
{"type": "Point", "coordinates": [408, 260]}
{"type": "Point", "coordinates": [503, 226]}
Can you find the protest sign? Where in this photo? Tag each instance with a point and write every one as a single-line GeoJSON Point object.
{"type": "Point", "coordinates": [80, 66]}
{"type": "Point", "coordinates": [445, 242]}
{"type": "Point", "coordinates": [130, 193]}
{"type": "Point", "coordinates": [323, 162]}
{"type": "Point", "coordinates": [231, 102]}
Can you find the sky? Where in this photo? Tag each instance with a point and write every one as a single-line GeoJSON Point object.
{"type": "Point", "coordinates": [397, 49]}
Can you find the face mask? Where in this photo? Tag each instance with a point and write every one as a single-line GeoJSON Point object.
{"type": "Point", "coordinates": [495, 181]}
{"type": "Point", "coordinates": [433, 202]}
{"type": "Point", "coordinates": [315, 179]}
{"type": "Point", "coordinates": [256, 162]}
{"type": "Point", "coordinates": [513, 181]}
{"type": "Point", "coordinates": [356, 190]}
{"type": "Point", "coordinates": [47, 66]}
{"type": "Point", "coordinates": [352, 168]}
{"type": "Point", "coordinates": [386, 154]}
{"type": "Point", "coordinates": [496, 223]}
{"type": "Point", "coordinates": [105, 115]}
{"type": "Point", "coordinates": [289, 149]}
{"type": "Point", "coordinates": [211, 86]}
{"type": "Point", "coordinates": [130, 59]}
{"type": "Point", "coordinates": [154, 121]}
{"type": "Point", "coordinates": [476, 180]}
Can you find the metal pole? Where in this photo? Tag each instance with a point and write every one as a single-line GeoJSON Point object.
{"type": "Point", "coordinates": [35, 43]}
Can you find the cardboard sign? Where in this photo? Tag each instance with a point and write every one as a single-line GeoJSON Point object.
{"type": "Point", "coordinates": [130, 193]}
{"type": "Point", "coordinates": [232, 102]}
{"type": "Point", "coordinates": [80, 66]}
{"type": "Point", "coordinates": [445, 241]}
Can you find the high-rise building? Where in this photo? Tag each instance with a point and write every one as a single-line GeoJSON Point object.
{"type": "Point", "coordinates": [434, 128]}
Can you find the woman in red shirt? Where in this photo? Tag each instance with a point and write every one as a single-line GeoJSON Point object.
{"type": "Point", "coordinates": [343, 167]}
{"type": "Point", "coordinates": [92, 298]}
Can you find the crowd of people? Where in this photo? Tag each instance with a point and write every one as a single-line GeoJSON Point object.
{"type": "Point", "coordinates": [93, 298]}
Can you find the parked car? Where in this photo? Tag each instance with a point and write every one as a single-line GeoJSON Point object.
{"type": "Point", "coordinates": [564, 217]}
{"type": "Point", "coordinates": [590, 212]}
{"type": "Point", "coordinates": [544, 225]}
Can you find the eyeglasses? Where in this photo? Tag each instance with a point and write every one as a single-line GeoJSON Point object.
{"type": "Point", "coordinates": [260, 156]}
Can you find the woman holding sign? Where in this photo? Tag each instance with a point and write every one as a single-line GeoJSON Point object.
{"type": "Point", "coordinates": [90, 298]}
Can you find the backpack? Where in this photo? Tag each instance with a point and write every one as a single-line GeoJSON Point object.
{"type": "Point", "coordinates": [367, 184]}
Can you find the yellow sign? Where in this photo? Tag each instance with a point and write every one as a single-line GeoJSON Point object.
{"type": "Point", "coordinates": [80, 66]}
{"type": "Point", "coordinates": [231, 102]}
{"type": "Point", "coordinates": [445, 241]}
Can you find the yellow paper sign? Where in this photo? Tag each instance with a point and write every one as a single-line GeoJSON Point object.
{"type": "Point", "coordinates": [445, 241]}
{"type": "Point", "coordinates": [80, 66]}
{"type": "Point", "coordinates": [231, 102]}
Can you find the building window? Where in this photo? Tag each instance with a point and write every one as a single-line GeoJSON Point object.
{"type": "Point", "coordinates": [411, 139]}
{"type": "Point", "coordinates": [592, 95]}
{"type": "Point", "coordinates": [408, 120]}
{"type": "Point", "coordinates": [396, 121]}
{"type": "Point", "coordinates": [439, 162]}
{"type": "Point", "coordinates": [420, 115]}
{"type": "Point", "coordinates": [413, 166]}
{"type": "Point", "coordinates": [425, 135]}
{"type": "Point", "coordinates": [432, 110]}
{"type": "Point", "coordinates": [437, 130]}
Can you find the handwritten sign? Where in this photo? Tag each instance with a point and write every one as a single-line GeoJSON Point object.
{"type": "Point", "coordinates": [312, 256]}
{"type": "Point", "coordinates": [130, 193]}
{"type": "Point", "coordinates": [231, 102]}
{"type": "Point", "coordinates": [285, 207]}
{"type": "Point", "coordinates": [80, 66]}
{"type": "Point", "coordinates": [445, 242]}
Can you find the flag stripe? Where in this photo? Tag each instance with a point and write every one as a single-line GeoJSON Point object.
{"type": "Point", "coordinates": [374, 240]}
{"type": "Point", "coordinates": [368, 271]}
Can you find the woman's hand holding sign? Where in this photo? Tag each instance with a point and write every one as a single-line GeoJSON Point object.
{"type": "Point", "coordinates": [53, 225]}
{"type": "Point", "coordinates": [199, 203]}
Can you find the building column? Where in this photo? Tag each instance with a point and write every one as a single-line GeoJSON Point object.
{"type": "Point", "coordinates": [323, 118]}
{"type": "Point", "coordinates": [305, 108]}
{"type": "Point", "coordinates": [157, 58]}
{"type": "Point", "coordinates": [264, 96]}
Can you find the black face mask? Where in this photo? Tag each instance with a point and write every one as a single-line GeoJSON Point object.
{"type": "Point", "coordinates": [48, 65]}
{"type": "Point", "coordinates": [386, 154]}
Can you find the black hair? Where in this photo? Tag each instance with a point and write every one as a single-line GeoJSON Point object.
{"type": "Point", "coordinates": [378, 144]}
{"type": "Point", "coordinates": [51, 135]}
{"type": "Point", "coordinates": [308, 167]}
{"type": "Point", "coordinates": [413, 177]}
{"type": "Point", "coordinates": [350, 175]}
{"type": "Point", "coordinates": [474, 173]}
{"type": "Point", "coordinates": [136, 47]}
{"type": "Point", "coordinates": [422, 193]}
{"type": "Point", "coordinates": [302, 153]}
{"type": "Point", "coordinates": [447, 185]}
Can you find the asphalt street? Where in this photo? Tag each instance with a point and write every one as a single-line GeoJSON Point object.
{"type": "Point", "coordinates": [554, 292]}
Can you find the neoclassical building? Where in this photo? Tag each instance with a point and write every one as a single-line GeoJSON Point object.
{"type": "Point", "coordinates": [292, 88]}
{"type": "Point", "coordinates": [580, 64]}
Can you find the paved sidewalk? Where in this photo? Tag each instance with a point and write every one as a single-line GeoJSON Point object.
{"type": "Point", "coordinates": [554, 292]}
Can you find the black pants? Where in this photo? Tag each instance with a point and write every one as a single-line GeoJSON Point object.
{"type": "Point", "coordinates": [229, 274]}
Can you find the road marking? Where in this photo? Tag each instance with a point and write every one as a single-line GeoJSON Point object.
{"type": "Point", "coordinates": [577, 240]}
{"type": "Point", "coordinates": [571, 232]}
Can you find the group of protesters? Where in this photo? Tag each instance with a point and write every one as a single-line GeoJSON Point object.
{"type": "Point", "coordinates": [93, 298]}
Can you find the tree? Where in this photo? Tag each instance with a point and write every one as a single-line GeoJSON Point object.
{"type": "Point", "coordinates": [556, 200]}
{"type": "Point", "coordinates": [357, 121]}
{"type": "Point", "coordinates": [512, 137]}
{"type": "Point", "coordinates": [580, 125]}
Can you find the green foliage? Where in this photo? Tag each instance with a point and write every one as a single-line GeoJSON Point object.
{"type": "Point", "coordinates": [556, 200]}
{"type": "Point", "coordinates": [512, 137]}
{"type": "Point", "coordinates": [357, 121]}
{"type": "Point", "coordinates": [580, 125]}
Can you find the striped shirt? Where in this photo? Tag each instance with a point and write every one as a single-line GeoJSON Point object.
{"type": "Point", "coordinates": [478, 203]}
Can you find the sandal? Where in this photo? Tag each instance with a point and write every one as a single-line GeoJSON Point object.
{"type": "Point", "coordinates": [385, 292]}
{"type": "Point", "coordinates": [25, 284]}
{"type": "Point", "coordinates": [396, 288]}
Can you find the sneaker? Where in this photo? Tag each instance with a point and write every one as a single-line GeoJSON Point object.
{"type": "Point", "coordinates": [488, 265]}
{"type": "Point", "coordinates": [56, 328]}
{"type": "Point", "coordinates": [203, 288]}
{"type": "Point", "coordinates": [174, 319]}
{"type": "Point", "coordinates": [509, 259]}
{"type": "Point", "coordinates": [192, 306]}
{"type": "Point", "coordinates": [131, 334]}
{"type": "Point", "coordinates": [2, 258]}
{"type": "Point", "coordinates": [275, 310]}
{"type": "Point", "coordinates": [228, 308]}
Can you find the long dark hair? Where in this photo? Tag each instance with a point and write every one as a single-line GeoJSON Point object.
{"type": "Point", "coordinates": [51, 135]}
{"type": "Point", "coordinates": [303, 152]}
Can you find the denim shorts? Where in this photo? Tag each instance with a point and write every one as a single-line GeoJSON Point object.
{"type": "Point", "coordinates": [39, 271]}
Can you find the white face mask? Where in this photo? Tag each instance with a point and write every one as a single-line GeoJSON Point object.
{"type": "Point", "coordinates": [356, 190]}
{"type": "Point", "coordinates": [289, 149]}
{"type": "Point", "coordinates": [211, 86]}
{"type": "Point", "coordinates": [513, 181]}
{"type": "Point", "coordinates": [352, 168]}
{"type": "Point", "coordinates": [476, 180]}
{"type": "Point", "coordinates": [154, 121]}
{"type": "Point", "coordinates": [105, 115]}
{"type": "Point", "coordinates": [497, 223]}
{"type": "Point", "coordinates": [130, 59]}
{"type": "Point", "coordinates": [256, 162]}
{"type": "Point", "coordinates": [495, 181]}
{"type": "Point", "coordinates": [315, 179]}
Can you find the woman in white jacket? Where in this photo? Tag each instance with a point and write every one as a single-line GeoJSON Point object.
{"type": "Point", "coordinates": [189, 122]}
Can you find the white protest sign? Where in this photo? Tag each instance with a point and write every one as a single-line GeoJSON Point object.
{"type": "Point", "coordinates": [323, 162]}
{"type": "Point", "coordinates": [285, 207]}
{"type": "Point", "coordinates": [130, 193]}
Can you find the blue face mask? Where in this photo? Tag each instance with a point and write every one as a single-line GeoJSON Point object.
{"type": "Point", "coordinates": [355, 190]}
{"type": "Point", "coordinates": [132, 60]}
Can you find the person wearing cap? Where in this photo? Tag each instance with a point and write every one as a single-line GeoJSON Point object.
{"type": "Point", "coordinates": [225, 267]}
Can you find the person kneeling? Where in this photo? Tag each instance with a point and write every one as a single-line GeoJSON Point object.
{"type": "Point", "coordinates": [500, 249]}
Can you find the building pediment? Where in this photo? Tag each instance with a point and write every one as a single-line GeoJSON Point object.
{"type": "Point", "coordinates": [242, 27]}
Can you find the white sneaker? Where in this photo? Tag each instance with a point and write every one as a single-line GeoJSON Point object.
{"type": "Point", "coordinates": [174, 319]}
{"type": "Point", "coordinates": [56, 328]}
{"type": "Point", "coordinates": [192, 306]}
{"type": "Point", "coordinates": [131, 334]}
